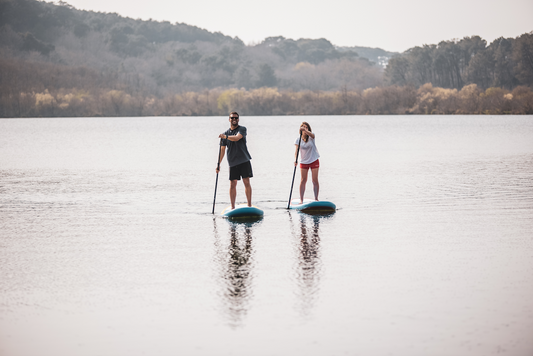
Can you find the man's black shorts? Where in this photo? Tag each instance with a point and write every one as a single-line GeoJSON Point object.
{"type": "Point", "coordinates": [243, 170]}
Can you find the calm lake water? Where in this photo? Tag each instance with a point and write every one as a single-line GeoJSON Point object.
{"type": "Point", "coordinates": [108, 245]}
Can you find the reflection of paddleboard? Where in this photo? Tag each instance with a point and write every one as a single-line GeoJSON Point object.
{"type": "Point", "coordinates": [242, 211]}
{"type": "Point", "coordinates": [313, 207]}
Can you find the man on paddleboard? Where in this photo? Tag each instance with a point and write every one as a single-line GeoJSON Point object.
{"type": "Point", "coordinates": [238, 158]}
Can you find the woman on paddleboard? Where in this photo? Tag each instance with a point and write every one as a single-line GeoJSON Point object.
{"type": "Point", "coordinates": [308, 159]}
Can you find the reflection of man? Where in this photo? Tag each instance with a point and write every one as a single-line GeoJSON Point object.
{"type": "Point", "coordinates": [238, 158]}
{"type": "Point", "coordinates": [238, 275]}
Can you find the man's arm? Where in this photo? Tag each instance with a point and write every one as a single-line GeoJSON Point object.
{"type": "Point", "coordinates": [233, 138]}
{"type": "Point", "coordinates": [241, 132]}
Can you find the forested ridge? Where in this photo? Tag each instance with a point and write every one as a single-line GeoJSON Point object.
{"type": "Point", "coordinates": [56, 60]}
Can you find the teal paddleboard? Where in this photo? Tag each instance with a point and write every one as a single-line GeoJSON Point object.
{"type": "Point", "coordinates": [313, 207]}
{"type": "Point", "coordinates": [242, 211]}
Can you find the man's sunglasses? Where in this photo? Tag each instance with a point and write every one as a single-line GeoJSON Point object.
{"type": "Point", "coordinates": [234, 117]}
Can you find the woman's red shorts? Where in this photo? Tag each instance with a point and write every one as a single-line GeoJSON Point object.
{"type": "Point", "coordinates": [311, 165]}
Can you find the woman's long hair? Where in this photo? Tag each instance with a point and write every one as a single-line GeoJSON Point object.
{"type": "Point", "coordinates": [309, 128]}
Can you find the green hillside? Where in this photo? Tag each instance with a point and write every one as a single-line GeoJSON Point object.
{"type": "Point", "coordinates": [57, 60]}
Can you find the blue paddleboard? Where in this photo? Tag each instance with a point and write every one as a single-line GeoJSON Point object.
{"type": "Point", "coordinates": [313, 207]}
{"type": "Point", "coordinates": [242, 211]}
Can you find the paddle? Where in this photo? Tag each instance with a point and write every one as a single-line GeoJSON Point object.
{"type": "Point", "coordinates": [218, 169]}
{"type": "Point", "coordinates": [294, 174]}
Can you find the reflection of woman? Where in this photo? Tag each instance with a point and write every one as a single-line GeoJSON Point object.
{"type": "Point", "coordinates": [308, 271]}
{"type": "Point", "coordinates": [308, 159]}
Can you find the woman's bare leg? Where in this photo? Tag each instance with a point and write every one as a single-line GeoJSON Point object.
{"type": "Point", "coordinates": [316, 186]}
{"type": "Point", "coordinates": [303, 182]}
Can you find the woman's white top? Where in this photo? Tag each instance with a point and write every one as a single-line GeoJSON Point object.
{"type": "Point", "coordinates": [308, 151]}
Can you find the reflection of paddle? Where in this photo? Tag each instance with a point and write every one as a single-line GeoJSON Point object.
{"type": "Point", "coordinates": [218, 169]}
{"type": "Point", "coordinates": [294, 174]}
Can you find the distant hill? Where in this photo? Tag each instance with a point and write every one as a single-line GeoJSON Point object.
{"type": "Point", "coordinates": [48, 21]}
{"type": "Point", "coordinates": [157, 58]}
{"type": "Point", "coordinates": [55, 58]}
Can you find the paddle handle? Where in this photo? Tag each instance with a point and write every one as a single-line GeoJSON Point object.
{"type": "Point", "coordinates": [216, 181]}
{"type": "Point", "coordinates": [294, 173]}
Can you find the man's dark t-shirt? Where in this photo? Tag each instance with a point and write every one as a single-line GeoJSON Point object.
{"type": "Point", "coordinates": [237, 152]}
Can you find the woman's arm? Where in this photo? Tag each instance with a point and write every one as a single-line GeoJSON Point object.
{"type": "Point", "coordinates": [308, 133]}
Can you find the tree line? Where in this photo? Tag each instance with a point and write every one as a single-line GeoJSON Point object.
{"type": "Point", "coordinates": [505, 63]}
{"type": "Point", "coordinates": [387, 100]}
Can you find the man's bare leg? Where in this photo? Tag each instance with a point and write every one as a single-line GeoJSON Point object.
{"type": "Point", "coordinates": [248, 190]}
{"type": "Point", "coordinates": [233, 193]}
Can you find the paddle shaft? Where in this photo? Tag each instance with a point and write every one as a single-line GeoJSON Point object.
{"type": "Point", "coordinates": [216, 182]}
{"type": "Point", "coordinates": [294, 174]}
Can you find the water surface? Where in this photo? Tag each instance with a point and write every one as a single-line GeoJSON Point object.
{"type": "Point", "coordinates": [108, 244]}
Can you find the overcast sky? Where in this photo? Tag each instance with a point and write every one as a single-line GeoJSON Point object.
{"type": "Point", "coordinates": [394, 25]}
